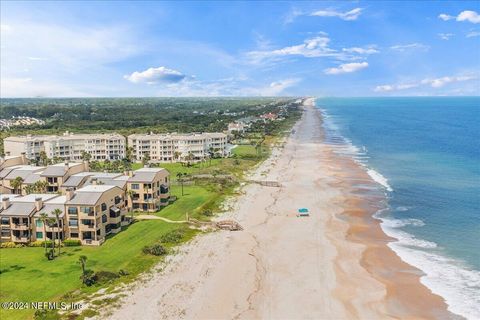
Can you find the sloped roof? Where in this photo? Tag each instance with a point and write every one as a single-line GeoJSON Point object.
{"type": "Point", "coordinates": [89, 195]}
{"type": "Point", "coordinates": [59, 169]}
{"type": "Point", "coordinates": [19, 209]}
{"type": "Point", "coordinates": [145, 174]}
{"type": "Point", "coordinates": [74, 180]}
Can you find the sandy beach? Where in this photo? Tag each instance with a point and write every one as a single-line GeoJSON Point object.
{"type": "Point", "coordinates": [334, 264]}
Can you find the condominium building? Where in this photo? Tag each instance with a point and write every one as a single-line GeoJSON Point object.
{"type": "Point", "coordinates": [94, 211]}
{"type": "Point", "coordinates": [52, 177]}
{"type": "Point", "coordinates": [92, 204]}
{"type": "Point", "coordinates": [10, 161]}
{"type": "Point", "coordinates": [88, 214]}
{"type": "Point", "coordinates": [178, 147]}
{"type": "Point", "coordinates": [101, 146]}
{"type": "Point", "coordinates": [148, 189]}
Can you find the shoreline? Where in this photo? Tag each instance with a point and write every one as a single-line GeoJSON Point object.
{"type": "Point", "coordinates": [334, 264]}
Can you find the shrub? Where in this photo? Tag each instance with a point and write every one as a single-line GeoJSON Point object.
{"type": "Point", "coordinates": [72, 243]}
{"type": "Point", "coordinates": [89, 277]}
{"type": "Point", "coordinates": [207, 213]}
{"type": "Point", "coordinates": [123, 272]}
{"type": "Point", "coordinates": [155, 250]}
{"type": "Point", "coordinates": [105, 276]}
{"type": "Point", "coordinates": [50, 254]}
{"type": "Point", "coordinates": [44, 314]}
{"type": "Point", "coordinates": [40, 243]}
{"type": "Point", "coordinates": [8, 245]}
{"type": "Point", "coordinates": [174, 236]}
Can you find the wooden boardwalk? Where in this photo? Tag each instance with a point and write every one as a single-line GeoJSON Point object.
{"type": "Point", "coordinates": [266, 183]}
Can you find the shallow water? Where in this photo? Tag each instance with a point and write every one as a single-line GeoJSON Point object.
{"type": "Point", "coordinates": [425, 153]}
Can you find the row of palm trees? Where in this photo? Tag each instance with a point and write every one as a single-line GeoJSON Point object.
{"type": "Point", "coordinates": [52, 222]}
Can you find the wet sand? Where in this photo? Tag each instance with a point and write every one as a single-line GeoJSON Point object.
{"type": "Point", "coordinates": [334, 264]}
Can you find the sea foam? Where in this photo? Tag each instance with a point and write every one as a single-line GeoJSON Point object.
{"type": "Point", "coordinates": [458, 284]}
{"type": "Point", "coordinates": [377, 177]}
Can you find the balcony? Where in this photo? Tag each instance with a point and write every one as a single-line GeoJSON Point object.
{"type": "Point", "coordinates": [91, 242]}
{"type": "Point", "coordinates": [21, 239]}
{"type": "Point", "coordinates": [20, 226]}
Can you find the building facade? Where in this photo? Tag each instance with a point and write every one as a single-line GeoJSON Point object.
{"type": "Point", "coordinates": [101, 146]}
{"type": "Point", "coordinates": [178, 147]}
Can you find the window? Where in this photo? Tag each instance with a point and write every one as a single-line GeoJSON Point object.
{"type": "Point", "coordinates": [39, 224]}
{"type": "Point", "coordinates": [5, 220]}
{"type": "Point", "coordinates": [104, 218]}
{"type": "Point", "coordinates": [135, 186]}
{"type": "Point", "coordinates": [73, 235]}
{"type": "Point", "coordinates": [104, 207]}
{"type": "Point", "coordinates": [73, 223]}
{"type": "Point", "coordinates": [72, 210]}
{"type": "Point", "coordinates": [86, 209]}
{"type": "Point", "coordinates": [39, 235]}
{"type": "Point", "coordinates": [117, 200]}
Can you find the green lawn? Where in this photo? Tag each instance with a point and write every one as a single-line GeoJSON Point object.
{"type": "Point", "coordinates": [28, 276]}
{"type": "Point", "coordinates": [193, 199]}
{"type": "Point", "coordinates": [245, 150]}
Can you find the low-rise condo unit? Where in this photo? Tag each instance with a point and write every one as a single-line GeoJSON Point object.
{"type": "Point", "coordinates": [100, 146]}
{"type": "Point", "coordinates": [145, 189]}
{"type": "Point", "coordinates": [148, 189]}
{"type": "Point", "coordinates": [88, 214]}
{"type": "Point", "coordinates": [178, 147]}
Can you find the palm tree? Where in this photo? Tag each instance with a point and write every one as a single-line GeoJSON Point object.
{"type": "Point", "coordinates": [176, 155]}
{"type": "Point", "coordinates": [129, 154]}
{"type": "Point", "coordinates": [44, 218]}
{"type": "Point", "coordinates": [86, 156]}
{"type": "Point", "coordinates": [51, 223]}
{"type": "Point", "coordinates": [57, 212]}
{"type": "Point", "coordinates": [30, 189]}
{"type": "Point", "coordinates": [146, 158]}
{"type": "Point", "coordinates": [43, 158]}
{"type": "Point", "coordinates": [40, 186]}
{"type": "Point", "coordinates": [82, 260]}
{"type": "Point", "coordinates": [130, 194]}
{"type": "Point", "coordinates": [17, 184]}
{"type": "Point", "coordinates": [180, 176]}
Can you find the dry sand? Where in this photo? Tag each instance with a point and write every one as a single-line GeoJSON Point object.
{"type": "Point", "coordinates": [332, 265]}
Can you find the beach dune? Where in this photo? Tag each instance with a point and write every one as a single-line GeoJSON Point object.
{"type": "Point", "coordinates": [334, 264]}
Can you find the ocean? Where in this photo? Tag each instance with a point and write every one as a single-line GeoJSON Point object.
{"type": "Point", "coordinates": [425, 153]}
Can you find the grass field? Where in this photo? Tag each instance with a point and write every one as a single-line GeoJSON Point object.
{"type": "Point", "coordinates": [26, 275]}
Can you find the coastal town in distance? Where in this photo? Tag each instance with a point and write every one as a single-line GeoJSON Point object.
{"type": "Point", "coordinates": [204, 160]}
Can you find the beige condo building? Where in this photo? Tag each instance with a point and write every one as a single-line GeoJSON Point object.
{"type": "Point", "coordinates": [69, 146]}
{"type": "Point", "coordinates": [178, 147]}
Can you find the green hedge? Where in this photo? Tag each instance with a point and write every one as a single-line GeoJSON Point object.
{"type": "Point", "coordinates": [72, 243]}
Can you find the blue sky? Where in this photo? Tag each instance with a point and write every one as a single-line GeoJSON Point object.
{"type": "Point", "coordinates": [347, 48]}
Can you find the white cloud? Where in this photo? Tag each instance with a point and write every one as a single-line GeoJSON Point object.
{"type": "Point", "coordinates": [445, 36]}
{"type": "Point", "coordinates": [472, 34]}
{"type": "Point", "coordinates": [310, 48]}
{"type": "Point", "coordinates": [315, 47]}
{"type": "Point", "coordinates": [347, 16]}
{"type": "Point", "coordinates": [347, 68]}
{"type": "Point", "coordinates": [226, 87]}
{"type": "Point", "coordinates": [440, 82]}
{"type": "Point", "coordinates": [155, 75]}
{"type": "Point", "coordinates": [445, 17]}
{"type": "Point", "coordinates": [467, 15]}
{"type": "Point", "coordinates": [410, 46]}
{"type": "Point", "coordinates": [432, 82]}
{"type": "Point", "coordinates": [470, 16]}
{"type": "Point", "coordinates": [367, 50]}
{"type": "Point", "coordinates": [394, 87]}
